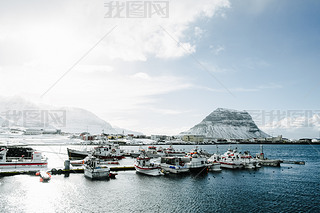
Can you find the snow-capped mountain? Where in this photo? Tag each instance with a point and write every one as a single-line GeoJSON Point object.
{"type": "Point", "coordinates": [228, 124]}
{"type": "Point", "coordinates": [16, 112]}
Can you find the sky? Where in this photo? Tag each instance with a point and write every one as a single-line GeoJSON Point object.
{"type": "Point", "coordinates": [162, 68]}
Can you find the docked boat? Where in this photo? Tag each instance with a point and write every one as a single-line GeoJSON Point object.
{"type": "Point", "coordinates": [195, 162]}
{"type": "Point", "coordinates": [248, 161]}
{"type": "Point", "coordinates": [33, 161]}
{"type": "Point", "coordinates": [102, 162]}
{"type": "Point", "coordinates": [135, 154]}
{"type": "Point", "coordinates": [153, 152]}
{"type": "Point", "coordinates": [173, 165]}
{"type": "Point", "coordinates": [93, 170]}
{"type": "Point", "coordinates": [170, 151]}
{"type": "Point", "coordinates": [231, 160]}
{"type": "Point", "coordinates": [213, 163]}
{"type": "Point", "coordinates": [161, 152]}
{"type": "Point", "coordinates": [144, 165]}
{"type": "Point", "coordinates": [110, 152]}
{"type": "Point", "coordinates": [265, 161]}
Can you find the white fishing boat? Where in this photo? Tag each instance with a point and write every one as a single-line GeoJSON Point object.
{"type": "Point", "coordinates": [195, 162]}
{"type": "Point", "coordinates": [93, 170]}
{"type": "Point", "coordinates": [33, 162]}
{"type": "Point", "coordinates": [144, 165]}
{"type": "Point", "coordinates": [248, 161]}
{"type": "Point", "coordinates": [265, 161]}
{"type": "Point", "coordinates": [231, 160]}
{"type": "Point", "coordinates": [170, 151]}
{"type": "Point", "coordinates": [106, 151]}
{"type": "Point", "coordinates": [161, 152]}
{"type": "Point", "coordinates": [102, 162]}
{"type": "Point", "coordinates": [173, 165]}
{"type": "Point", "coordinates": [213, 163]}
{"type": "Point", "coordinates": [153, 152]}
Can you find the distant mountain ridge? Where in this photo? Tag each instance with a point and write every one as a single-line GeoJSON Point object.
{"type": "Point", "coordinates": [228, 124]}
{"type": "Point", "coordinates": [19, 112]}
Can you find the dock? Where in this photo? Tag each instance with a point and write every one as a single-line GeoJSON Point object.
{"type": "Point", "coordinates": [81, 170]}
{"type": "Point", "coordinates": [61, 171]}
{"type": "Point", "coordinates": [293, 162]}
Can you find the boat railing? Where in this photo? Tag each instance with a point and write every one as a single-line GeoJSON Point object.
{"type": "Point", "coordinates": [14, 159]}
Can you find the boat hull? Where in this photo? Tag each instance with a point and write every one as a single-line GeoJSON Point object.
{"type": "Point", "coordinates": [201, 169]}
{"type": "Point", "coordinates": [97, 173]}
{"type": "Point", "coordinates": [79, 155]}
{"type": "Point", "coordinates": [215, 167]}
{"type": "Point", "coordinates": [174, 169]}
{"type": "Point", "coordinates": [230, 165]}
{"type": "Point", "coordinates": [23, 165]}
{"type": "Point", "coordinates": [152, 171]}
{"type": "Point", "coordinates": [275, 163]}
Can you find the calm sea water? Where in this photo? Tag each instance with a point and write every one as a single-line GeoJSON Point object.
{"type": "Point", "coordinates": [289, 188]}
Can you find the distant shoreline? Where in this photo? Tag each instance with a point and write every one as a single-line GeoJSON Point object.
{"type": "Point", "coordinates": [222, 144]}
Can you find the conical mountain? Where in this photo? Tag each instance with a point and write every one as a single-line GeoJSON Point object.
{"type": "Point", "coordinates": [228, 124]}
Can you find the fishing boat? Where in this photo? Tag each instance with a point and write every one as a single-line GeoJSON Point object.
{"type": "Point", "coordinates": [265, 161]}
{"type": "Point", "coordinates": [110, 152]}
{"type": "Point", "coordinates": [231, 160]}
{"type": "Point", "coordinates": [32, 163]}
{"type": "Point", "coordinates": [161, 152]}
{"type": "Point", "coordinates": [173, 165]}
{"type": "Point", "coordinates": [144, 165]}
{"type": "Point", "coordinates": [170, 151]}
{"type": "Point", "coordinates": [102, 162]}
{"type": "Point", "coordinates": [213, 163]}
{"type": "Point", "coordinates": [248, 161]}
{"type": "Point", "coordinates": [153, 152]}
{"type": "Point", "coordinates": [93, 170]}
{"type": "Point", "coordinates": [136, 153]}
{"type": "Point", "coordinates": [195, 162]}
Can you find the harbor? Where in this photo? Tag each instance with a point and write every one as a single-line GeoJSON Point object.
{"type": "Point", "coordinates": [267, 187]}
{"type": "Point", "coordinates": [164, 158]}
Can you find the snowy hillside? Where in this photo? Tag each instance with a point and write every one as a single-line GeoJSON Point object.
{"type": "Point", "coordinates": [18, 112]}
{"type": "Point", "coordinates": [227, 123]}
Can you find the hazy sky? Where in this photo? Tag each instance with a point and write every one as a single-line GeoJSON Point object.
{"type": "Point", "coordinates": [164, 73]}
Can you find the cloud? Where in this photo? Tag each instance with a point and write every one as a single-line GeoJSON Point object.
{"type": "Point", "coordinates": [40, 42]}
{"type": "Point", "coordinates": [291, 123]}
{"type": "Point", "coordinates": [217, 50]}
{"type": "Point", "coordinates": [81, 24]}
{"type": "Point", "coordinates": [198, 32]}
